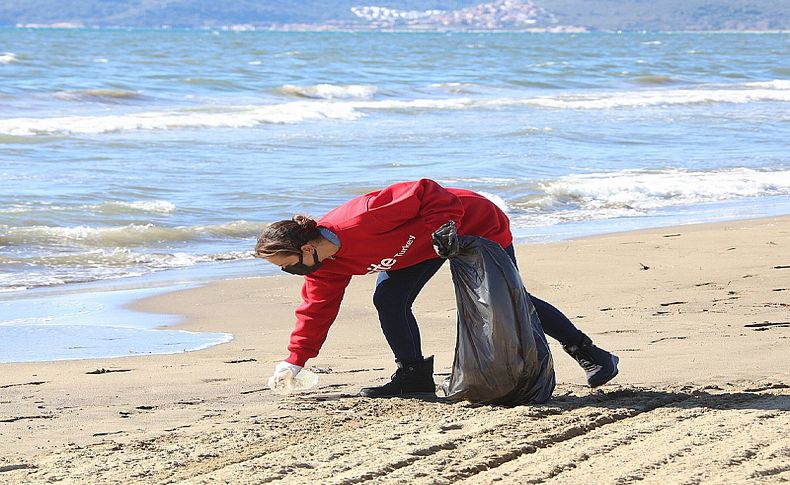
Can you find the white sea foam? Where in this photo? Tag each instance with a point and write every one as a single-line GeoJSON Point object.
{"type": "Point", "coordinates": [775, 84]}
{"type": "Point", "coordinates": [635, 193]}
{"type": "Point", "coordinates": [152, 206]}
{"type": "Point", "coordinates": [421, 104]}
{"type": "Point", "coordinates": [451, 85]}
{"type": "Point", "coordinates": [456, 87]}
{"type": "Point", "coordinates": [121, 259]}
{"type": "Point", "coordinates": [131, 235]}
{"type": "Point", "coordinates": [466, 181]}
{"type": "Point", "coordinates": [105, 258]}
{"type": "Point", "coordinates": [299, 111]}
{"type": "Point", "coordinates": [7, 57]}
{"type": "Point", "coordinates": [497, 200]}
{"type": "Point", "coordinates": [776, 90]}
{"type": "Point", "coordinates": [330, 91]}
{"type": "Point", "coordinates": [98, 264]}
{"type": "Point", "coordinates": [232, 117]}
{"type": "Point", "coordinates": [110, 207]}
{"type": "Point", "coordinates": [666, 97]}
{"type": "Point", "coordinates": [236, 229]}
{"type": "Point", "coordinates": [36, 256]}
{"type": "Point", "coordinates": [608, 100]}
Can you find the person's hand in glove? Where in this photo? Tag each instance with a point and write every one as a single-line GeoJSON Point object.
{"type": "Point", "coordinates": [445, 240]}
{"type": "Point", "coordinates": [283, 371]}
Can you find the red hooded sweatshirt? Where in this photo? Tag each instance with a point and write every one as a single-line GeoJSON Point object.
{"type": "Point", "coordinates": [385, 230]}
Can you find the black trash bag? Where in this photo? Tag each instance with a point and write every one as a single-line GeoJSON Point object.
{"type": "Point", "coordinates": [501, 354]}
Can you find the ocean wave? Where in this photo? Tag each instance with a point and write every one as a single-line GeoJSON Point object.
{"type": "Point", "coordinates": [132, 235]}
{"type": "Point", "coordinates": [110, 207]}
{"type": "Point", "coordinates": [782, 84]}
{"type": "Point", "coordinates": [128, 236]}
{"type": "Point", "coordinates": [635, 193]}
{"type": "Point", "coordinates": [122, 258]}
{"type": "Point", "coordinates": [349, 110]}
{"type": "Point", "coordinates": [96, 265]}
{"type": "Point", "coordinates": [144, 206]}
{"type": "Point", "coordinates": [607, 100]}
{"type": "Point", "coordinates": [235, 229]}
{"type": "Point", "coordinates": [652, 80]}
{"type": "Point", "coordinates": [457, 87]}
{"type": "Point", "coordinates": [490, 181]}
{"type": "Point", "coordinates": [231, 117]}
{"type": "Point", "coordinates": [427, 104]}
{"type": "Point", "coordinates": [98, 95]}
{"type": "Point", "coordinates": [330, 91]}
{"type": "Point", "coordinates": [22, 140]}
{"type": "Point", "coordinates": [665, 97]}
{"type": "Point", "coordinates": [38, 256]}
{"type": "Point", "coordinates": [496, 199]}
{"type": "Point", "coordinates": [8, 58]}
{"type": "Point", "coordinates": [36, 279]}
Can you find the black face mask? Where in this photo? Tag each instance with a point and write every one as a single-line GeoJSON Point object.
{"type": "Point", "coordinates": [302, 269]}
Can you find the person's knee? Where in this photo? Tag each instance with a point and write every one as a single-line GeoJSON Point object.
{"type": "Point", "coordinates": [387, 298]}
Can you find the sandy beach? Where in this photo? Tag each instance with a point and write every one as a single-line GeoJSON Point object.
{"type": "Point", "coordinates": [699, 315]}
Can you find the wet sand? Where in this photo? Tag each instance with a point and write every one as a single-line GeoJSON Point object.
{"type": "Point", "coordinates": [699, 315]}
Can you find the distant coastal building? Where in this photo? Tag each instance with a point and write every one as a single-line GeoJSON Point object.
{"type": "Point", "coordinates": [497, 15]}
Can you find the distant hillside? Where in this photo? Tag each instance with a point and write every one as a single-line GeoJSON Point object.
{"type": "Point", "coordinates": [654, 15]}
{"type": "Point", "coordinates": [196, 13]}
{"type": "Point", "coordinates": [630, 15]}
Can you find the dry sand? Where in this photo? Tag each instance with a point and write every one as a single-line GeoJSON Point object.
{"type": "Point", "coordinates": [699, 315]}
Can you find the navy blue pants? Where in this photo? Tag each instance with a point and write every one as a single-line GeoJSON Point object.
{"type": "Point", "coordinates": [396, 291]}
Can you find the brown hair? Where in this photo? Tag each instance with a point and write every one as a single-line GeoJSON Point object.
{"type": "Point", "coordinates": [286, 237]}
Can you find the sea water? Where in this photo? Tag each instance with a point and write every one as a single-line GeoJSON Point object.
{"type": "Point", "coordinates": [62, 325]}
{"type": "Point", "coordinates": [150, 157]}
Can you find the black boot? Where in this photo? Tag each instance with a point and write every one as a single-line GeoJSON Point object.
{"type": "Point", "coordinates": [412, 379]}
{"type": "Point", "coordinates": [600, 365]}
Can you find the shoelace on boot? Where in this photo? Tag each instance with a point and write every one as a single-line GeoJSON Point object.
{"type": "Point", "coordinates": [585, 360]}
{"type": "Point", "coordinates": [398, 375]}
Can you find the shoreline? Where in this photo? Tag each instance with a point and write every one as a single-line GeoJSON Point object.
{"type": "Point", "coordinates": [161, 285]}
{"type": "Point", "coordinates": [697, 315]}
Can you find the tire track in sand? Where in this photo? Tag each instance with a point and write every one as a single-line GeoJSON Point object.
{"type": "Point", "coordinates": [705, 439]}
{"type": "Point", "coordinates": [428, 447]}
{"type": "Point", "coordinates": [615, 436]}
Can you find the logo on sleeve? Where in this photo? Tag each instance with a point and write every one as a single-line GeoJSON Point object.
{"type": "Point", "coordinates": [387, 263]}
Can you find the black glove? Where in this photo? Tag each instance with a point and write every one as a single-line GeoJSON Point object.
{"type": "Point", "coordinates": [445, 240]}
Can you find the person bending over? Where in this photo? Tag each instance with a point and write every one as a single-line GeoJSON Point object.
{"type": "Point", "coordinates": [389, 232]}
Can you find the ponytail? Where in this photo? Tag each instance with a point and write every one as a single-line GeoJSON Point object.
{"type": "Point", "coordinates": [287, 237]}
